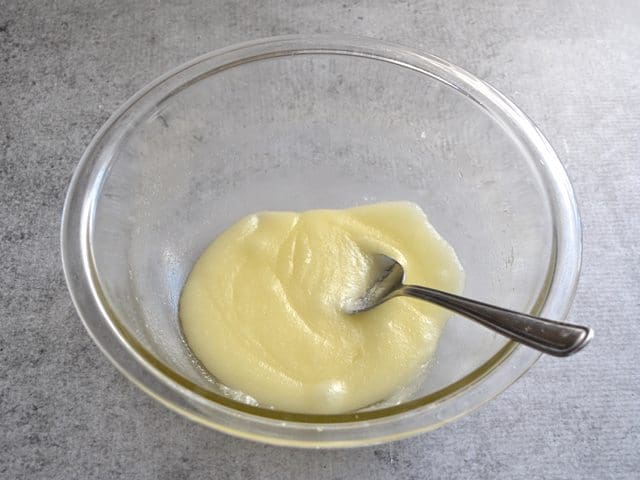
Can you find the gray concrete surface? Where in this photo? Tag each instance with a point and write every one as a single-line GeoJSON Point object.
{"type": "Point", "coordinates": [65, 412]}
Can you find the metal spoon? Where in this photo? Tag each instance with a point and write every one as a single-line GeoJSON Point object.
{"type": "Point", "coordinates": [547, 336]}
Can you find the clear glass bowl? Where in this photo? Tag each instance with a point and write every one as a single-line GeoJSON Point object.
{"type": "Point", "coordinates": [294, 123]}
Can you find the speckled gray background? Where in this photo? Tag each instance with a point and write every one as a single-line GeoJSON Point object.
{"type": "Point", "coordinates": [65, 412]}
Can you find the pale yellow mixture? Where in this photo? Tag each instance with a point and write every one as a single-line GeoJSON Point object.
{"type": "Point", "coordinates": [262, 308]}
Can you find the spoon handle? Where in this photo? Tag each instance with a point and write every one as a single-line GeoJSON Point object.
{"type": "Point", "coordinates": [548, 336]}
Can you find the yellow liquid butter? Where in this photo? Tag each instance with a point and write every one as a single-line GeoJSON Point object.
{"type": "Point", "coordinates": [262, 308]}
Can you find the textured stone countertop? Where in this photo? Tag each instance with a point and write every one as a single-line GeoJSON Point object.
{"type": "Point", "coordinates": [66, 412]}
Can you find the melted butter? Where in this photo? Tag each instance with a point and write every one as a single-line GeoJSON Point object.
{"type": "Point", "coordinates": [262, 307]}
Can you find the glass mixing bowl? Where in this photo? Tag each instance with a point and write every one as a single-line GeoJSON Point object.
{"type": "Point", "coordinates": [295, 123]}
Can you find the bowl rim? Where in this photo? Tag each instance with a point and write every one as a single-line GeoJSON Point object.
{"type": "Point", "coordinates": [283, 428]}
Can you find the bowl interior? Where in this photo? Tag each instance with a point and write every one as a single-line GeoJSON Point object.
{"type": "Point", "coordinates": [314, 130]}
